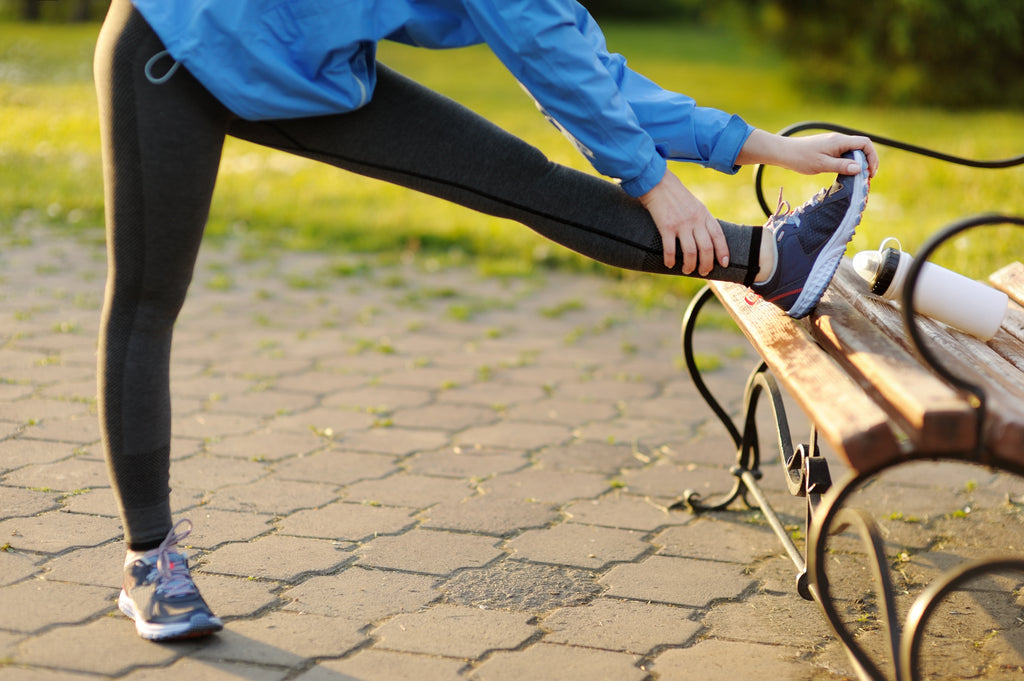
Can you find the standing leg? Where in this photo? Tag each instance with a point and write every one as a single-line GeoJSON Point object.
{"type": "Point", "coordinates": [162, 139]}
{"type": "Point", "coordinates": [412, 136]}
{"type": "Point", "coordinates": [161, 150]}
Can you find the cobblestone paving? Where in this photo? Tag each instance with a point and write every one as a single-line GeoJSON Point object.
{"type": "Point", "coordinates": [411, 472]}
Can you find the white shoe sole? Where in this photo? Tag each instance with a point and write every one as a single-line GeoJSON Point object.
{"type": "Point", "coordinates": [199, 625]}
{"type": "Point", "coordinates": [832, 253]}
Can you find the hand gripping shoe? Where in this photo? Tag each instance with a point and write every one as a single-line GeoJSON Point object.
{"type": "Point", "coordinates": [811, 240]}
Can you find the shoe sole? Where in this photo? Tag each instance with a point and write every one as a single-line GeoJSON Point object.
{"type": "Point", "coordinates": [831, 254]}
{"type": "Point", "coordinates": [199, 625]}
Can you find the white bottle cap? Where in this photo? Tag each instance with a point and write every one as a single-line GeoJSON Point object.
{"type": "Point", "coordinates": [879, 268]}
{"type": "Point", "coordinates": [865, 264]}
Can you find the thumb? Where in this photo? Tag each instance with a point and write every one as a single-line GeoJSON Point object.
{"type": "Point", "coordinates": [845, 166]}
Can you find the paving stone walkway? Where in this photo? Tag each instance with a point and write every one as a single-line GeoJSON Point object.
{"type": "Point", "coordinates": [410, 472]}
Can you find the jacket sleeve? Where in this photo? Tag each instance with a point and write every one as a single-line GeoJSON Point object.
{"type": "Point", "coordinates": [625, 124]}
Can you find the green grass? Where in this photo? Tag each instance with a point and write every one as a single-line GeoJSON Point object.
{"type": "Point", "coordinates": [50, 169]}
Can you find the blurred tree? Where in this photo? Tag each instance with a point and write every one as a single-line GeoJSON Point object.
{"type": "Point", "coordinates": [31, 10]}
{"type": "Point", "coordinates": [54, 10]}
{"type": "Point", "coordinates": [644, 9]}
{"type": "Point", "coordinates": [81, 10]}
{"type": "Point", "coordinates": [953, 53]}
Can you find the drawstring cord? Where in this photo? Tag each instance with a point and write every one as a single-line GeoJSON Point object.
{"type": "Point", "coordinates": [159, 80]}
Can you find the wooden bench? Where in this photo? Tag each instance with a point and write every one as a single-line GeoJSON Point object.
{"type": "Point", "coordinates": [851, 368]}
{"type": "Point", "coordinates": [868, 391]}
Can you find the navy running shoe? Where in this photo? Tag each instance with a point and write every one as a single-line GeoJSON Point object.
{"type": "Point", "coordinates": [811, 240]}
{"type": "Point", "coordinates": [160, 596]}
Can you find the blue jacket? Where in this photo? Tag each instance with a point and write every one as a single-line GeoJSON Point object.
{"type": "Point", "coordinates": [267, 59]}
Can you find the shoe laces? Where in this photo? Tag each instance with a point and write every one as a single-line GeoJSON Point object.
{"type": "Point", "coordinates": [815, 200]}
{"type": "Point", "coordinates": [782, 210]}
{"type": "Point", "coordinates": [170, 571]}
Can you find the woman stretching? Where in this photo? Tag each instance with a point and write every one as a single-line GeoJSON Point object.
{"type": "Point", "coordinates": [175, 77]}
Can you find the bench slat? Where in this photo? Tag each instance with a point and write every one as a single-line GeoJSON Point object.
{"type": "Point", "coordinates": [953, 346]}
{"type": "Point", "coordinates": [974, 360]}
{"type": "Point", "coordinates": [1013, 324]}
{"type": "Point", "coordinates": [1005, 430]}
{"type": "Point", "coordinates": [935, 417]}
{"type": "Point", "coordinates": [854, 425]}
{"type": "Point", "coordinates": [1010, 280]}
{"type": "Point", "coordinates": [963, 355]}
{"type": "Point", "coordinates": [1008, 342]}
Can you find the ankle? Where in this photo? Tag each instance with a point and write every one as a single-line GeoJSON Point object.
{"type": "Point", "coordinates": [132, 556]}
{"type": "Point", "coordinates": [136, 552]}
{"type": "Point", "coordinates": [766, 260]}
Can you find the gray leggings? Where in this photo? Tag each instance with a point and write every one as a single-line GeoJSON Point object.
{"type": "Point", "coordinates": [161, 150]}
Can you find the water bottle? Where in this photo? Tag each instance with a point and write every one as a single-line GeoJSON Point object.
{"type": "Point", "coordinates": [941, 294]}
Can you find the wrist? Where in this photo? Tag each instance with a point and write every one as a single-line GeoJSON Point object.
{"type": "Point", "coordinates": [764, 148]}
{"type": "Point", "coordinates": [652, 175]}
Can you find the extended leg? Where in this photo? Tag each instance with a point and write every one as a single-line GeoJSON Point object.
{"type": "Point", "coordinates": [414, 137]}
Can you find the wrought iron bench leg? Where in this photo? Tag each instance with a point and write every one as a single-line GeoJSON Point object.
{"type": "Point", "coordinates": [805, 469]}
{"type": "Point", "coordinates": [746, 457]}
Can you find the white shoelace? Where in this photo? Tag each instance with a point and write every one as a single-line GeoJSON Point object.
{"type": "Point", "coordinates": [172, 577]}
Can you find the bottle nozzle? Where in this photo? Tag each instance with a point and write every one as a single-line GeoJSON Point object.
{"type": "Point", "coordinates": [878, 268]}
{"type": "Point", "coordinates": [865, 264]}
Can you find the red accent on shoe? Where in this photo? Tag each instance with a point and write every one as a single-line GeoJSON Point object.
{"type": "Point", "coordinates": [782, 295]}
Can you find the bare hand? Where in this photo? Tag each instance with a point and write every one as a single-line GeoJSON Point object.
{"type": "Point", "coordinates": [810, 154]}
{"type": "Point", "coordinates": [678, 214]}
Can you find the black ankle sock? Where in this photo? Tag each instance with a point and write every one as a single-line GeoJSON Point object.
{"type": "Point", "coordinates": [753, 268]}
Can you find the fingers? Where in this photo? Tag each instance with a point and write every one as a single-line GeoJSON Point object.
{"type": "Point", "coordinates": [690, 250]}
{"type": "Point", "coordinates": [872, 158]}
{"type": "Point", "coordinates": [864, 144]}
{"type": "Point", "coordinates": [681, 217]}
{"type": "Point", "coordinates": [701, 245]}
{"type": "Point", "coordinates": [721, 246]}
{"type": "Point", "coordinates": [668, 247]}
